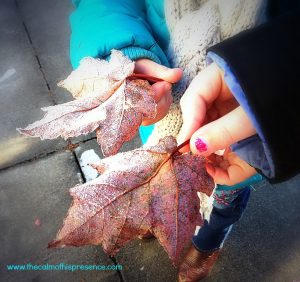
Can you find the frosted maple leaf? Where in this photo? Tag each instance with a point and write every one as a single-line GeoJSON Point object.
{"type": "Point", "coordinates": [108, 101]}
{"type": "Point", "coordinates": [152, 188]}
{"type": "Point", "coordinates": [98, 76]}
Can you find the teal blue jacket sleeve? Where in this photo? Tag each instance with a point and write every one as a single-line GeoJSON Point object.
{"type": "Point", "coordinates": [98, 26]}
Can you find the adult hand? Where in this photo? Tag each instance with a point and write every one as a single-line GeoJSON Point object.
{"type": "Point", "coordinates": [162, 89]}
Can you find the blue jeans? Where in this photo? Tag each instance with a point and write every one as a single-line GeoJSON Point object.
{"type": "Point", "coordinates": [228, 207]}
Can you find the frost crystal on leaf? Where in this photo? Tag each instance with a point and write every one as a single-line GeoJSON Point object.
{"type": "Point", "coordinates": [98, 76]}
{"type": "Point", "coordinates": [144, 189]}
{"type": "Point", "coordinates": [107, 102]}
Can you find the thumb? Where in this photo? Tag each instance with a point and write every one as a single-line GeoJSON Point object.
{"type": "Point", "coordinates": [222, 133]}
{"type": "Point", "coordinates": [148, 67]}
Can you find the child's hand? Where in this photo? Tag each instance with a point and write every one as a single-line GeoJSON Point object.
{"type": "Point", "coordinates": [163, 89]}
{"type": "Point", "coordinates": [228, 169]}
{"type": "Point", "coordinates": [212, 118]}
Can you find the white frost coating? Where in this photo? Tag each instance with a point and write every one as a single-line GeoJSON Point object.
{"type": "Point", "coordinates": [89, 157]}
{"type": "Point", "coordinates": [220, 152]}
{"type": "Point", "coordinates": [206, 205]}
{"type": "Point", "coordinates": [100, 76]}
{"type": "Point", "coordinates": [79, 177]}
{"type": "Point", "coordinates": [106, 100]}
{"type": "Point", "coordinates": [197, 230]}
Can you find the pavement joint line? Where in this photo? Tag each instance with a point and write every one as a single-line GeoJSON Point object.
{"type": "Point", "coordinates": [120, 272]}
{"type": "Point", "coordinates": [46, 154]}
{"type": "Point", "coordinates": [86, 140]}
{"type": "Point", "coordinates": [27, 32]}
{"type": "Point", "coordinates": [36, 56]}
{"type": "Point", "coordinates": [34, 158]}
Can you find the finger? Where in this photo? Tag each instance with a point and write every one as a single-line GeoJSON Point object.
{"type": "Point", "coordinates": [163, 98]}
{"type": "Point", "coordinates": [233, 158]}
{"type": "Point", "coordinates": [203, 90]}
{"type": "Point", "coordinates": [220, 176]}
{"type": "Point", "coordinates": [193, 115]}
{"type": "Point", "coordinates": [232, 175]}
{"type": "Point", "coordinates": [161, 89]}
{"type": "Point", "coordinates": [208, 84]}
{"type": "Point", "coordinates": [222, 133]}
{"type": "Point", "coordinates": [151, 68]}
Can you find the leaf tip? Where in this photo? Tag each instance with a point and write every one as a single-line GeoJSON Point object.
{"type": "Point", "coordinates": [51, 244]}
{"type": "Point", "coordinates": [24, 131]}
{"type": "Point", "coordinates": [61, 83]}
{"type": "Point", "coordinates": [55, 244]}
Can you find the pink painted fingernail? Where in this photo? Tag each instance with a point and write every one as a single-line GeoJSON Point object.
{"type": "Point", "coordinates": [200, 145]}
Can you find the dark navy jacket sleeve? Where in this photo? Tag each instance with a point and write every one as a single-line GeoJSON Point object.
{"type": "Point", "coordinates": [265, 61]}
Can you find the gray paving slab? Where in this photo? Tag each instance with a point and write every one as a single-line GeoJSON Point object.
{"type": "Point", "coordinates": [22, 90]}
{"type": "Point", "coordinates": [145, 260]}
{"type": "Point", "coordinates": [48, 25]}
{"type": "Point", "coordinates": [264, 245]}
{"type": "Point", "coordinates": [39, 190]}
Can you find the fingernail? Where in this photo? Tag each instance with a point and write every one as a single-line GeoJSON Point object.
{"type": "Point", "coordinates": [200, 145]}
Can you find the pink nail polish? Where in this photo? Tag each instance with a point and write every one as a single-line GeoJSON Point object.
{"type": "Point", "coordinates": [200, 145]}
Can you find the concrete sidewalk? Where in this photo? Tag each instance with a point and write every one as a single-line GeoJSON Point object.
{"type": "Point", "coordinates": [35, 175]}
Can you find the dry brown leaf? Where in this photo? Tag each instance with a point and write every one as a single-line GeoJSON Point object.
{"type": "Point", "coordinates": [146, 189]}
{"type": "Point", "coordinates": [116, 117]}
{"type": "Point", "coordinates": [99, 77]}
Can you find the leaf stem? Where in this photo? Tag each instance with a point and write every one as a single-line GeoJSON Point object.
{"type": "Point", "coordinates": [168, 157]}
{"type": "Point", "coordinates": [182, 145]}
{"type": "Point", "coordinates": [144, 76]}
